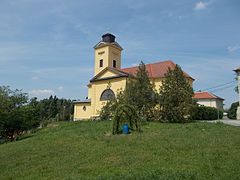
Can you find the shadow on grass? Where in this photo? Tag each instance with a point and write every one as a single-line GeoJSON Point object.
{"type": "Point", "coordinates": [19, 137]}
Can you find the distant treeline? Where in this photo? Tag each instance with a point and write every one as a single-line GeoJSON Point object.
{"type": "Point", "coordinates": [19, 114]}
{"type": "Point", "coordinates": [53, 108]}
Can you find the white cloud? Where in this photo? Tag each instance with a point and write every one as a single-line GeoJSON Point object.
{"type": "Point", "coordinates": [40, 93]}
{"type": "Point", "coordinates": [57, 70]}
{"type": "Point", "coordinates": [233, 48]}
{"type": "Point", "coordinates": [60, 88]}
{"type": "Point", "coordinates": [202, 5]}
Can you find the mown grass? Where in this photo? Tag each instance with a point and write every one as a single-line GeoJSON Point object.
{"type": "Point", "coordinates": [87, 150]}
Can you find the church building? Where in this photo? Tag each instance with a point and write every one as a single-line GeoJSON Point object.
{"type": "Point", "coordinates": [110, 77]}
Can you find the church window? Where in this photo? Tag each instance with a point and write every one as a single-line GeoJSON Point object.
{"type": "Point", "coordinates": [84, 108]}
{"type": "Point", "coordinates": [107, 95]}
{"type": "Point", "coordinates": [114, 63]}
{"type": "Point", "coordinates": [101, 63]}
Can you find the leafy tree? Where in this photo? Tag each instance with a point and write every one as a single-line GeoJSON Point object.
{"type": "Point", "coordinates": [10, 99]}
{"type": "Point", "coordinates": [175, 97]}
{"type": "Point", "coordinates": [19, 114]}
{"type": "Point", "coordinates": [16, 115]}
{"type": "Point", "coordinates": [19, 120]}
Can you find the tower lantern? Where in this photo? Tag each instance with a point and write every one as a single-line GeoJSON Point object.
{"type": "Point", "coordinates": [108, 38]}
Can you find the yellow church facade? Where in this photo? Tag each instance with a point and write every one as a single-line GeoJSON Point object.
{"type": "Point", "coordinates": [109, 77]}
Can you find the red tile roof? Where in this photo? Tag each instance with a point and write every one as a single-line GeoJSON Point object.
{"type": "Point", "coordinates": [155, 70]}
{"type": "Point", "coordinates": [205, 95]}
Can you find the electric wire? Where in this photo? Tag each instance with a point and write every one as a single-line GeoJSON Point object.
{"type": "Point", "coordinates": [223, 88]}
{"type": "Point", "coordinates": [218, 86]}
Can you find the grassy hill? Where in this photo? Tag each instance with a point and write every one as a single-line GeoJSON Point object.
{"type": "Point", "coordinates": [87, 150]}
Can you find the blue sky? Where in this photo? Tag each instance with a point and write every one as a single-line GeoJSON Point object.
{"type": "Point", "coordinates": [46, 47]}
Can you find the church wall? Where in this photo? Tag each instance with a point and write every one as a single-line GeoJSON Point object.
{"type": "Point", "coordinates": [90, 92]}
{"type": "Point", "coordinates": [80, 113]}
{"type": "Point", "coordinates": [157, 82]}
{"type": "Point", "coordinates": [99, 86]}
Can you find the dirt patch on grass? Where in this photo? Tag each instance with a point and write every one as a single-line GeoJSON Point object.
{"type": "Point", "coordinates": [52, 125]}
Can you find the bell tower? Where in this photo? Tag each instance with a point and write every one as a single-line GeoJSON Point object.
{"type": "Point", "coordinates": [107, 53]}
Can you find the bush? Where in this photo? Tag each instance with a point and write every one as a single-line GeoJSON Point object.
{"type": "Point", "coordinates": [232, 112]}
{"type": "Point", "coordinates": [206, 113]}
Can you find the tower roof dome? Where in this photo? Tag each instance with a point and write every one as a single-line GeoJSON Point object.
{"type": "Point", "coordinates": [109, 38]}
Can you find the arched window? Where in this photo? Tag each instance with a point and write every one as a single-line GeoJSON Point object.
{"type": "Point", "coordinates": [107, 94]}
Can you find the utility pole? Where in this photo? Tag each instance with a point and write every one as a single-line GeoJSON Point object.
{"type": "Point", "coordinates": [238, 79]}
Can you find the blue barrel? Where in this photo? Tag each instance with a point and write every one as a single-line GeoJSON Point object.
{"type": "Point", "coordinates": [125, 129]}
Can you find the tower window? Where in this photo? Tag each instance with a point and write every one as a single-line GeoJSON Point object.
{"type": "Point", "coordinates": [101, 63]}
{"type": "Point", "coordinates": [114, 63]}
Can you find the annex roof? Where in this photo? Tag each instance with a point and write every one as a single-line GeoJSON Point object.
{"type": "Point", "coordinates": [155, 70]}
{"type": "Point", "coordinates": [205, 95]}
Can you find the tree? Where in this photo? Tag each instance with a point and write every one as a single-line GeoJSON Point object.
{"type": "Point", "coordinates": [16, 115]}
{"type": "Point", "coordinates": [232, 112]}
{"type": "Point", "coordinates": [139, 93]}
{"type": "Point", "coordinates": [175, 97]}
{"type": "Point", "coordinates": [54, 109]}
{"type": "Point", "coordinates": [19, 120]}
{"type": "Point", "coordinates": [107, 111]}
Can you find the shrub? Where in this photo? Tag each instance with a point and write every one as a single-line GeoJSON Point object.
{"type": "Point", "coordinates": [232, 112]}
{"type": "Point", "coordinates": [206, 113]}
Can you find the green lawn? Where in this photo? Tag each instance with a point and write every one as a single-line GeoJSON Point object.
{"type": "Point", "coordinates": [87, 150]}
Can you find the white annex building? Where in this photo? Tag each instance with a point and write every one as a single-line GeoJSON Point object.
{"type": "Point", "coordinates": [208, 99]}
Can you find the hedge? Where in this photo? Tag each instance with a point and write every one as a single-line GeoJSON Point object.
{"type": "Point", "coordinates": [206, 113]}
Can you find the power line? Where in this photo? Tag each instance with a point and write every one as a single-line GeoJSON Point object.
{"type": "Point", "coordinates": [218, 86]}
{"type": "Point", "coordinates": [223, 88]}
